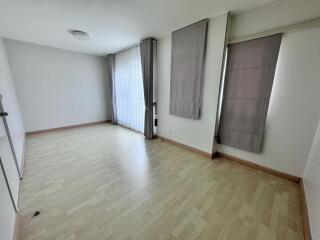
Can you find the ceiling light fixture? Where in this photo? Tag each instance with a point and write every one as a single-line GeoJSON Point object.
{"type": "Point", "coordinates": [80, 35]}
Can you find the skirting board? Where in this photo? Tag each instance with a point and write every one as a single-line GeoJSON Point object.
{"type": "Point", "coordinates": [287, 176]}
{"type": "Point", "coordinates": [258, 167]}
{"type": "Point", "coordinates": [305, 215]}
{"type": "Point", "coordinates": [192, 149]}
{"type": "Point", "coordinates": [66, 127]}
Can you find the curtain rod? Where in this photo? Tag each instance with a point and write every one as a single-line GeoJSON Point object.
{"type": "Point", "coordinates": [131, 46]}
{"type": "Point", "coordinates": [127, 48]}
{"type": "Point", "coordinates": [203, 20]}
{"type": "Point", "coordinates": [312, 23]}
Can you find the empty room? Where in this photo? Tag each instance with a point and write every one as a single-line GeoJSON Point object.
{"type": "Point", "coordinates": [160, 120]}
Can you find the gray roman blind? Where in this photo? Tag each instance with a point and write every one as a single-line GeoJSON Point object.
{"type": "Point", "coordinates": [188, 48]}
{"type": "Point", "coordinates": [249, 77]}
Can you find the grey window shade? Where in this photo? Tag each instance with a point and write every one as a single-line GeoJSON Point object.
{"type": "Point", "coordinates": [187, 66]}
{"type": "Point", "coordinates": [249, 77]}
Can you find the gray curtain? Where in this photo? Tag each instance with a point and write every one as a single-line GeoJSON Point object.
{"type": "Point", "coordinates": [110, 79]}
{"type": "Point", "coordinates": [187, 66]}
{"type": "Point", "coordinates": [249, 77]}
{"type": "Point", "coordinates": [147, 63]}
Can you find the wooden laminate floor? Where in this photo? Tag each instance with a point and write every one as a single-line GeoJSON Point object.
{"type": "Point", "coordinates": [107, 182]}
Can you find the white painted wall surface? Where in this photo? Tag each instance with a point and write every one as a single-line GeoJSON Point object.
{"type": "Point", "coordinates": [57, 88]}
{"type": "Point", "coordinates": [294, 108]}
{"type": "Point", "coordinates": [273, 15]}
{"type": "Point", "coordinates": [295, 101]}
{"type": "Point", "coordinates": [196, 133]}
{"type": "Point", "coordinates": [7, 214]}
{"type": "Point", "coordinates": [10, 103]}
{"type": "Point", "coordinates": [312, 186]}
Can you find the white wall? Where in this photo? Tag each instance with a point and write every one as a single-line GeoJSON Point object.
{"type": "Point", "coordinates": [7, 214]}
{"type": "Point", "coordinates": [57, 88]}
{"type": "Point", "coordinates": [10, 103]}
{"type": "Point", "coordinates": [195, 133]}
{"type": "Point", "coordinates": [294, 108]}
{"type": "Point", "coordinates": [312, 186]}
{"type": "Point", "coordinates": [273, 15]}
{"type": "Point", "coordinates": [295, 101]}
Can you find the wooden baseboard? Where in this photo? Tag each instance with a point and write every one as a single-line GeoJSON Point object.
{"type": "Point", "coordinates": [283, 175]}
{"type": "Point", "coordinates": [305, 215]}
{"type": "Point", "coordinates": [258, 167]}
{"type": "Point", "coordinates": [189, 148]}
{"type": "Point", "coordinates": [65, 128]}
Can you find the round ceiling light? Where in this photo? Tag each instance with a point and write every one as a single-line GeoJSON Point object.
{"type": "Point", "coordinates": [80, 35]}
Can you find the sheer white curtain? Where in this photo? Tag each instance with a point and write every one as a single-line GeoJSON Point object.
{"type": "Point", "coordinates": [128, 86]}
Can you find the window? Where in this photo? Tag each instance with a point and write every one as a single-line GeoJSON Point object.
{"type": "Point", "coordinates": [247, 88]}
{"type": "Point", "coordinates": [128, 87]}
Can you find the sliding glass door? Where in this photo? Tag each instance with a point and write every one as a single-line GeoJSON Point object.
{"type": "Point", "coordinates": [128, 87]}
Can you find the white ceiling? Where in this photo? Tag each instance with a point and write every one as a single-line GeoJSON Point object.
{"type": "Point", "coordinates": [112, 24]}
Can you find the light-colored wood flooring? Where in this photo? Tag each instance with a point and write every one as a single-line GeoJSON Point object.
{"type": "Point", "coordinates": [107, 182]}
